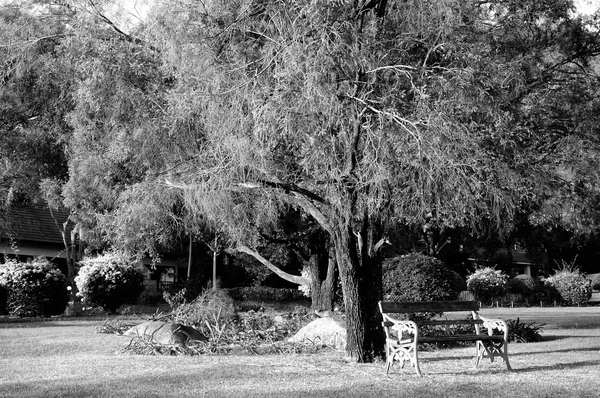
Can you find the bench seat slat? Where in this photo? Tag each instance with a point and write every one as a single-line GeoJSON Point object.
{"type": "Point", "coordinates": [473, 337]}
{"type": "Point", "coordinates": [450, 322]}
{"type": "Point", "coordinates": [455, 338]}
{"type": "Point", "coordinates": [428, 306]}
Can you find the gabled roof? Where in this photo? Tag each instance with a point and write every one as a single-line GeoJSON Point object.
{"type": "Point", "coordinates": [35, 223]}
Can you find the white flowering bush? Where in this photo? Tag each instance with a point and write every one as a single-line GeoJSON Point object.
{"type": "Point", "coordinates": [305, 289]}
{"type": "Point", "coordinates": [571, 285]}
{"type": "Point", "coordinates": [35, 288]}
{"type": "Point", "coordinates": [108, 281]}
{"type": "Point", "coordinates": [487, 283]}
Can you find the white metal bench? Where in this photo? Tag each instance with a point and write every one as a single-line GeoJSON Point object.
{"type": "Point", "coordinates": [404, 336]}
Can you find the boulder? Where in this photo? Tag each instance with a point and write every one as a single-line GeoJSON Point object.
{"type": "Point", "coordinates": [167, 333]}
{"type": "Point", "coordinates": [327, 331]}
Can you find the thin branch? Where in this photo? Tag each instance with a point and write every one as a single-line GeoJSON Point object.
{"type": "Point", "coordinates": [300, 280]}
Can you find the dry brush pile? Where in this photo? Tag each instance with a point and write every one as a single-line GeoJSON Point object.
{"type": "Point", "coordinates": [214, 314]}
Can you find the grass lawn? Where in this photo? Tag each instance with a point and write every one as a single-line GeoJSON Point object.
{"type": "Point", "coordinates": [68, 358]}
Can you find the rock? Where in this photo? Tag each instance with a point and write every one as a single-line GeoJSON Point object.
{"type": "Point", "coordinates": [327, 331]}
{"type": "Point", "coordinates": [279, 320]}
{"type": "Point", "coordinates": [166, 333]}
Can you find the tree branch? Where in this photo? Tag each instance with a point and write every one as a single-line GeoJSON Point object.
{"type": "Point", "coordinates": [299, 280]}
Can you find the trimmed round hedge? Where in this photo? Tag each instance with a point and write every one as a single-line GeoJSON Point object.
{"type": "Point", "coordinates": [109, 281]}
{"type": "Point", "coordinates": [596, 283]}
{"type": "Point", "coordinates": [523, 284]}
{"type": "Point", "coordinates": [417, 277]}
{"type": "Point", "coordinates": [35, 288]}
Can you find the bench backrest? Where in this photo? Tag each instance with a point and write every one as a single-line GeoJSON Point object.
{"type": "Point", "coordinates": [390, 307]}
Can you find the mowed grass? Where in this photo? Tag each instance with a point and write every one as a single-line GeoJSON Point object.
{"type": "Point", "coordinates": [70, 359]}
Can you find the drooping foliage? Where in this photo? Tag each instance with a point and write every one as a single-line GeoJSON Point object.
{"type": "Point", "coordinates": [34, 99]}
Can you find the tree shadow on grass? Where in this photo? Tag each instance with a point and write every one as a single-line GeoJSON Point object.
{"type": "Point", "coordinates": [558, 366]}
{"type": "Point", "coordinates": [514, 354]}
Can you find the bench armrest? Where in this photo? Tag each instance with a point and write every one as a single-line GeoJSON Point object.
{"type": "Point", "coordinates": [400, 326]}
{"type": "Point", "coordinates": [495, 324]}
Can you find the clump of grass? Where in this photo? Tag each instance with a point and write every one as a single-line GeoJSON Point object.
{"type": "Point", "coordinates": [520, 332]}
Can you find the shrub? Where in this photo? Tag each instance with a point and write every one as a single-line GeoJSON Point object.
{"type": "Point", "coordinates": [571, 285]}
{"type": "Point", "coordinates": [523, 284]}
{"type": "Point", "coordinates": [524, 332]}
{"type": "Point", "coordinates": [486, 283]}
{"type": "Point", "coordinates": [3, 299]}
{"type": "Point", "coordinates": [417, 277]}
{"type": "Point", "coordinates": [151, 298]}
{"type": "Point", "coordinates": [458, 282]}
{"type": "Point", "coordinates": [109, 281]}
{"type": "Point", "coordinates": [596, 283]}
{"type": "Point", "coordinates": [36, 288]}
{"type": "Point", "coordinates": [265, 293]}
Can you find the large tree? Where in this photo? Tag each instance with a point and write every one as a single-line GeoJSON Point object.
{"type": "Point", "coordinates": [362, 115]}
{"type": "Point", "coordinates": [340, 109]}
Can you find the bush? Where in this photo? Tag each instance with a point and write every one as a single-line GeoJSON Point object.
{"type": "Point", "coordinates": [596, 283]}
{"type": "Point", "coordinates": [3, 299]}
{"type": "Point", "coordinates": [151, 298]}
{"type": "Point", "coordinates": [519, 332]}
{"type": "Point", "coordinates": [486, 283]}
{"type": "Point", "coordinates": [37, 288]}
{"type": "Point", "coordinates": [109, 281]}
{"type": "Point", "coordinates": [571, 285]}
{"type": "Point", "coordinates": [417, 277]}
{"type": "Point", "coordinates": [458, 282]}
{"type": "Point", "coordinates": [264, 293]}
{"type": "Point", "coordinates": [523, 284]}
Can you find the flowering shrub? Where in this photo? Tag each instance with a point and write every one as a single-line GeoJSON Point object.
{"type": "Point", "coordinates": [36, 288]}
{"type": "Point", "coordinates": [486, 283]}
{"type": "Point", "coordinates": [571, 285]}
{"type": "Point", "coordinates": [417, 277]}
{"type": "Point", "coordinates": [109, 281]}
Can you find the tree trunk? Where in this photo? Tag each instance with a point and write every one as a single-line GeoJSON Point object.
{"type": "Point", "coordinates": [360, 274]}
{"type": "Point", "coordinates": [323, 278]}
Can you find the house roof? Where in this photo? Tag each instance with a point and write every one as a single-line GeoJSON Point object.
{"type": "Point", "coordinates": [35, 223]}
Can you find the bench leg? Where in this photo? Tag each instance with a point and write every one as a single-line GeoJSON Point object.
{"type": "Point", "coordinates": [492, 349]}
{"type": "Point", "coordinates": [402, 353]}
